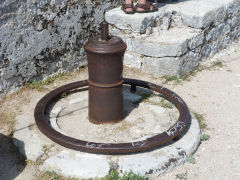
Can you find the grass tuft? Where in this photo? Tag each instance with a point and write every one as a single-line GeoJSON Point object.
{"type": "Point", "coordinates": [201, 120]}
{"type": "Point", "coordinates": [174, 78]}
{"type": "Point", "coordinates": [9, 120]}
{"type": "Point", "coordinates": [131, 176]}
{"type": "Point", "coordinates": [217, 63]}
{"type": "Point", "coordinates": [191, 159]}
{"type": "Point", "coordinates": [205, 137]}
{"type": "Point", "coordinates": [114, 175]}
{"type": "Point", "coordinates": [39, 85]}
{"type": "Point", "coordinates": [187, 76]}
{"type": "Point", "coordinates": [182, 176]}
{"type": "Point", "coordinates": [35, 85]}
{"type": "Point", "coordinates": [52, 175]}
{"type": "Point", "coordinates": [166, 104]}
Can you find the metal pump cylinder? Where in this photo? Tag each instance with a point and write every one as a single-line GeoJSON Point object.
{"type": "Point", "coordinates": [105, 64]}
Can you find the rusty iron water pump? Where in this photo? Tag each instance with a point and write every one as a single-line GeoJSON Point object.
{"type": "Point", "coordinates": [105, 64]}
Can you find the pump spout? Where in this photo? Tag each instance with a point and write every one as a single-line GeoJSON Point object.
{"type": "Point", "coordinates": [105, 31]}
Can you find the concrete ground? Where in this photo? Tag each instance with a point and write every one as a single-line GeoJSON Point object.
{"type": "Point", "coordinates": [211, 92]}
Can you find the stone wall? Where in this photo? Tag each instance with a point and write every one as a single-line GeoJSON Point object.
{"type": "Point", "coordinates": [179, 36]}
{"type": "Point", "coordinates": [42, 37]}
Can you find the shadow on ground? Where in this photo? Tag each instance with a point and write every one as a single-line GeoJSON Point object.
{"type": "Point", "coordinates": [11, 162]}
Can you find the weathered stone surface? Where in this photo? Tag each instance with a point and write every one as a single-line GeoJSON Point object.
{"type": "Point", "coordinates": [165, 159]}
{"type": "Point", "coordinates": [173, 42]}
{"type": "Point", "coordinates": [219, 31]}
{"type": "Point", "coordinates": [161, 66]}
{"type": "Point", "coordinates": [189, 61]}
{"type": "Point", "coordinates": [30, 145]}
{"type": "Point", "coordinates": [206, 13]}
{"type": "Point", "coordinates": [42, 38]}
{"type": "Point", "coordinates": [142, 121]}
{"type": "Point", "coordinates": [135, 23]}
{"type": "Point", "coordinates": [133, 60]}
{"type": "Point", "coordinates": [181, 37]}
{"type": "Point", "coordinates": [79, 165]}
{"type": "Point", "coordinates": [39, 38]}
{"type": "Point", "coordinates": [85, 165]}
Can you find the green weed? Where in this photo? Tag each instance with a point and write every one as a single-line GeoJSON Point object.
{"type": "Point", "coordinates": [52, 175]}
{"type": "Point", "coordinates": [182, 176]}
{"type": "Point", "coordinates": [131, 176]}
{"type": "Point", "coordinates": [35, 85]}
{"type": "Point", "coordinates": [166, 104]}
{"type": "Point", "coordinates": [201, 120]}
{"type": "Point", "coordinates": [8, 119]}
{"type": "Point", "coordinates": [205, 137]}
{"type": "Point", "coordinates": [173, 78]}
{"type": "Point", "coordinates": [187, 75]}
{"type": "Point", "coordinates": [63, 95]}
{"type": "Point", "coordinates": [40, 85]}
{"type": "Point", "coordinates": [191, 159]}
{"type": "Point", "coordinates": [216, 64]}
{"type": "Point", "coordinates": [113, 175]}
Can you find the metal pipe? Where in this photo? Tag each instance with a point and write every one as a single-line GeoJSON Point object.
{"type": "Point", "coordinates": [104, 31]}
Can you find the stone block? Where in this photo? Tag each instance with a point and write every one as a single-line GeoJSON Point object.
{"type": "Point", "coordinates": [78, 165]}
{"type": "Point", "coordinates": [173, 42]}
{"type": "Point", "coordinates": [136, 23]}
{"type": "Point", "coordinates": [207, 12]}
{"type": "Point", "coordinates": [219, 31]}
{"type": "Point", "coordinates": [161, 66]}
{"type": "Point", "coordinates": [224, 42]}
{"type": "Point", "coordinates": [189, 61]}
{"type": "Point", "coordinates": [235, 22]}
{"type": "Point", "coordinates": [206, 51]}
{"type": "Point", "coordinates": [133, 60]}
{"type": "Point", "coordinates": [235, 34]}
{"type": "Point", "coordinates": [196, 40]}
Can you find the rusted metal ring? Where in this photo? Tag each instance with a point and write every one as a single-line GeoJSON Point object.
{"type": "Point", "coordinates": [109, 148]}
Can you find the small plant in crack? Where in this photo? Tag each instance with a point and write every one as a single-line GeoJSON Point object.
{"type": "Point", "coordinates": [201, 120]}
{"type": "Point", "coordinates": [205, 137]}
{"type": "Point", "coordinates": [182, 176]}
{"type": "Point", "coordinates": [191, 159]}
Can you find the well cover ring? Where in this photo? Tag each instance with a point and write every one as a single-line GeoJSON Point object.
{"type": "Point", "coordinates": [112, 148]}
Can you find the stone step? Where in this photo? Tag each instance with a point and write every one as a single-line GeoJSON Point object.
{"type": "Point", "coordinates": [192, 13]}
{"type": "Point", "coordinates": [169, 43]}
{"type": "Point", "coordinates": [177, 37]}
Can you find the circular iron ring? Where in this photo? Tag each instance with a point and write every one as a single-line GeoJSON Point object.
{"type": "Point", "coordinates": [112, 148]}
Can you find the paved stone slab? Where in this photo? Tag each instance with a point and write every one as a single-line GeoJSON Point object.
{"type": "Point", "coordinates": [79, 165]}
{"type": "Point", "coordinates": [164, 159]}
{"type": "Point", "coordinates": [28, 143]}
{"type": "Point", "coordinates": [83, 165]}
